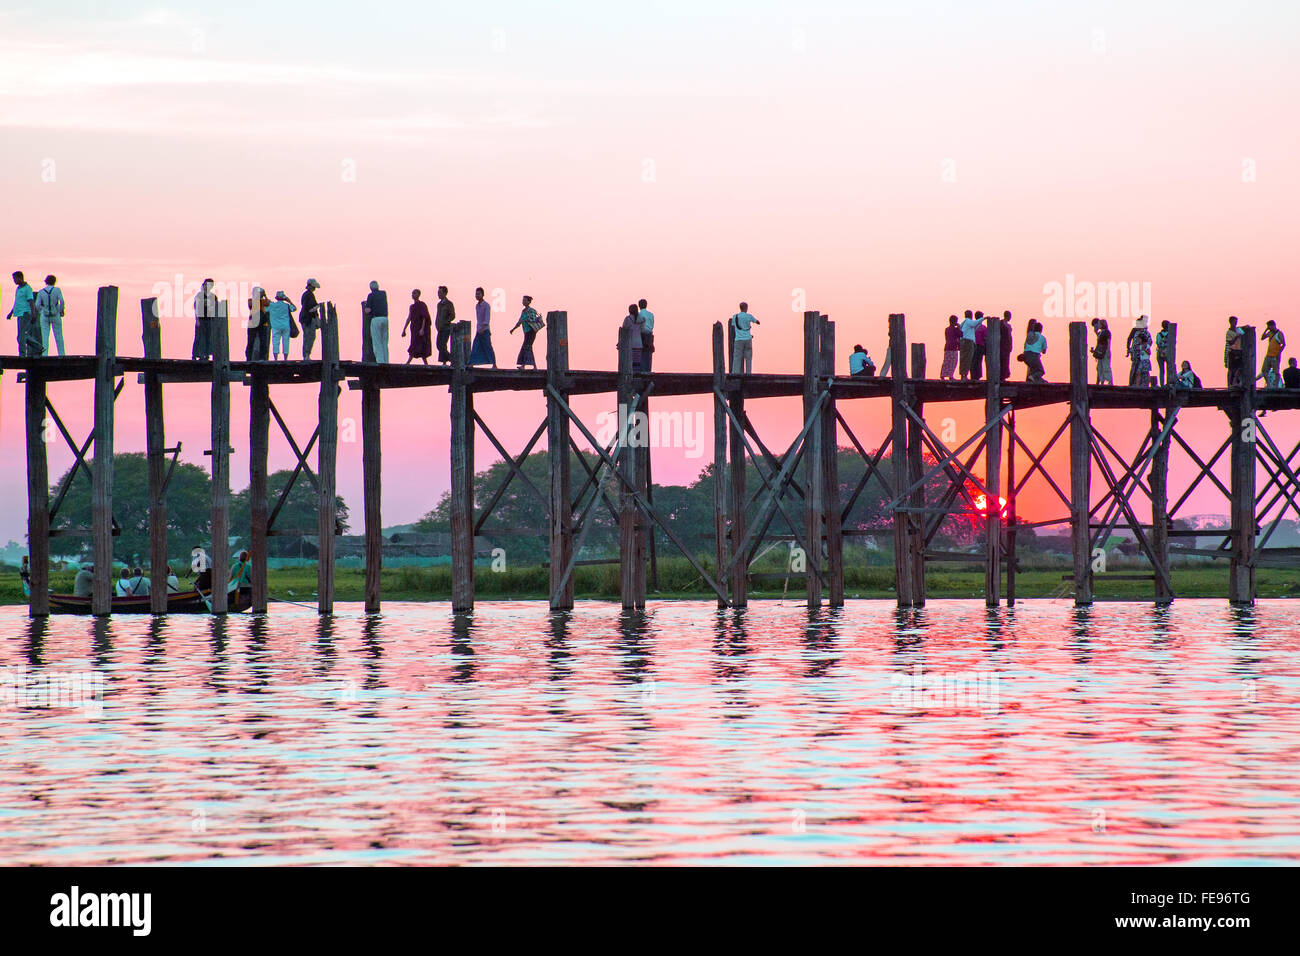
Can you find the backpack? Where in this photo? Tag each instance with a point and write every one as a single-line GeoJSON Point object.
{"type": "Point", "coordinates": [1196, 380]}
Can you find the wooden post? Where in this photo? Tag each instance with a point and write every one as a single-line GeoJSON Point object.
{"type": "Point", "coordinates": [327, 460]}
{"type": "Point", "coordinates": [1011, 507]}
{"type": "Point", "coordinates": [101, 521]}
{"type": "Point", "coordinates": [38, 499]}
{"type": "Point", "coordinates": [1080, 464]}
{"type": "Point", "coordinates": [627, 513]}
{"type": "Point", "coordinates": [1241, 583]}
{"type": "Point", "coordinates": [739, 587]}
{"type": "Point", "coordinates": [915, 471]}
{"type": "Point", "coordinates": [993, 465]}
{"type": "Point", "coordinates": [220, 458]}
{"type": "Point", "coordinates": [155, 457]}
{"type": "Point", "coordinates": [259, 441]}
{"type": "Point", "coordinates": [904, 577]}
{"type": "Point", "coordinates": [371, 454]}
{"type": "Point", "coordinates": [719, 459]}
{"type": "Point", "coordinates": [812, 459]}
{"type": "Point", "coordinates": [1160, 475]}
{"type": "Point", "coordinates": [462, 473]}
{"type": "Point", "coordinates": [558, 458]}
{"type": "Point", "coordinates": [831, 475]}
{"type": "Point", "coordinates": [641, 478]}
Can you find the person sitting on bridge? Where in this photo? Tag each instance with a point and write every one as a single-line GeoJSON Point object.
{"type": "Point", "coordinates": [1291, 375]}
{"type": "Point", "coordinates": [1035, 346]}
{"type": "Point", "coordinates": [860, 363]}
{"type": "Point", "coordinates": [1186, 377]}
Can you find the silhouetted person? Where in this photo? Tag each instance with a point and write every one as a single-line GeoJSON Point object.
{"type": "Point", "coordinates": [966, 347]}
{"type": "Point", "coordinates": [1270, 369]}
{"type": "Point", "coordinates": [531, 322]}
{"type": "Point", "coordinates": [444, 316]}
{"type": "Point", "coordinates": [1186, 377]}
{"type": "Point", "coordinates": [481, 352]}
{"type": "Point", "coordinates": [421, 326]}
{"type": "Point", "coordinates": [258, 348]}
{"type": "Point", "coordinates": [50, 307]}
{"type": "Point", "coordinates": [1291, 375]}
{"type": "Point", "coordinates": [1035, 346]}
{"type": "Point", "coordinates": [647, 334]}
{"type": "Point", "coordinates": [1005, 346]}
{"type": "Point", "coordinates": [1232, 357]}
{"type": "Point", "coordinates": [24, 313]}
{"type": "Point", "coordinates": [860, 363]}
{"type": "Point", "coordinates": [205, 312]}
{"type": "Point", "coordinates": [632, 322]}
{"type": "Point", "coordinates": [281, 313]}
{"type": "Point", "coordinates": [1163, 366]}
{"type": "Point", "coordinates": [377, 308]}
{"type": "Point", "coordinates": [742, 346]}
{"type": "Point", "coordinates": [1101, 352]}
{"type": "Point", "coordinates": [1138, 349]}
{"type": "Point", "coordinates": [951, 350]}
{"type": "Point", "coordinates": [310, 315]}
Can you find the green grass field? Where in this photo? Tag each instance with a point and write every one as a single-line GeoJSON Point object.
{"type": "Point", "coordinates": [677, 579]}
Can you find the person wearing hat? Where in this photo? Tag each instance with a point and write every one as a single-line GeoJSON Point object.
{"type": "Point", "coordinates": [310, 316]}
{"type": "Point", "coordinates": [281, 311]}
{"type": "Point", "coordinates": [1138, 349]}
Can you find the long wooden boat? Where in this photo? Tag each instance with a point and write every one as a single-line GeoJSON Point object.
{"type": "Point", "coordinates": [178, 602]}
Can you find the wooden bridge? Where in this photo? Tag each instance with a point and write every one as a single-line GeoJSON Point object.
{"type": "Point", "coordinates": [803, 476]}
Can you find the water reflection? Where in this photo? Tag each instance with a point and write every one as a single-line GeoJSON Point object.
{"type": "Point", "coordinates": [1112, 734]}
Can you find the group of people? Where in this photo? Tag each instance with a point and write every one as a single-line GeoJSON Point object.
{"type": "Point", "coordinates": [423, 327]}
{"type": "Point", "coordinates": [37, 314]}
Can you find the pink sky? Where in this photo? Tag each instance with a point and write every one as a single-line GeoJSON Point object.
{"type": "Point", "coordinates": [919, 159]}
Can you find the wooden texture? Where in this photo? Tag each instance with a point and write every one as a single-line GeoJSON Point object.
{"type": "Point", "coordinates": [155, 458]}
{"type": "Point", "coordinates": [903, 575]}
{"type": "Point", "coordinates": [720, 553]}
{"type": "Point", "coordinates": [327, 460]}
{"type": "Point", "coordinates": [993, 466]}
{"type": "Point", "coordinates": [38, 498]}
{"type": "Point", "coordinates": [558, 460]}
{"type": "Point", "coordinates": [372, 487]}
{"type": "Point", "coordinates": [1080, 464]}
{"type": "Point", "coordinates": [101, 520]}
{"type": "Point", "coordinates": [462, 473]}
{"type": "Point", "coordinates": [220, 338]}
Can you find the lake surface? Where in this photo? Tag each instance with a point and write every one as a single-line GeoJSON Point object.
{"type": "Point", "coordinates": [1043, 734]}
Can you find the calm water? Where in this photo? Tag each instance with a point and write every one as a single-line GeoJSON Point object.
{"type": "Point", "coordinates": [1115, 735]}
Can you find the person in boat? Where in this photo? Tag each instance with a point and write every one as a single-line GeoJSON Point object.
{"type": "Point", "coordinates": [140, 584]}
{"type": "Point", "coordinates": [25, 575]}
{"type": "Point", "coordinates": [203, 576]}
{"type": "Point", "coordinates": [123, 588]}
{"type": "Point", "coordinates": [173, 583]}
{"type": "Point", "coordinates": [84, 583]}
{"type": "Point", "coordinates": [241, 574]}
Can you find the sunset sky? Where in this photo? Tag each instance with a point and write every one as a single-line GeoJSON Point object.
{"type": "Point", "coordinates": [874, 157]}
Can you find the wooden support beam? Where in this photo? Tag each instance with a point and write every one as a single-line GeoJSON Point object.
{"type": "Point", "coordinates": [627, 513]}
{"type": "Point", "coordinates": [38, 499]}
{"type": "Point", "coordinates": [371, 455]}
{"type": "Point", "coordinates": [1241, 580]}
{"type": "Point", "coordinates": [720, 554]}
{"type": "Point", "coordinates": [1080, 464]}
{"type": "Point", "coordinates": [641, 475]}
{"type": "Point", "coordinates": [993, 465]}
{"type": "Point", "coordinates": [101, 520]}
{"type": "Point", "coordinates": [155, 458]}
{"type": "Point", "coordinates": [327, 460]}
{"type": "Point", "coordinates": [904, 577]}
{"type": "Point", "coordinates": [915, 469]}
{"type": "Point", "coordinates": [738, 588]}
{"type": "Point", "coordinates": [1160, 478]}
{"type": "Point", "coordinates": [259, 442]}
{"type": "Point", "coordinates": [832, 517]}
{"type": "Point", "coordinates": [812, 459]}
{"type": "Point", "coordinates": [220, 340]}
{"type": "Point", "coordinates": [1012, 440]}
{"type": "Point", "coordinates": [462, 473]}
{"type": "Point", "coordinates": [558, 459]}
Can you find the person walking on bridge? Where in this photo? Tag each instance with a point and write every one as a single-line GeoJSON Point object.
{"type": "Point", "coordinates": [531, 323]}
{"type": "Point", "coordinates": [205, 313]}
{"type": "Point", "coordinates": [481, 352]}
{"type": "Point", "coordinates": [444, 316]}
{"type": "Point", "coordinates": [1101, 352]}
{"type": "Point", "coordinates": [421, 325]}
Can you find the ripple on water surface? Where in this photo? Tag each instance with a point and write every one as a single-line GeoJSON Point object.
{"type": "Point", "coordinates": [1117, 734]}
